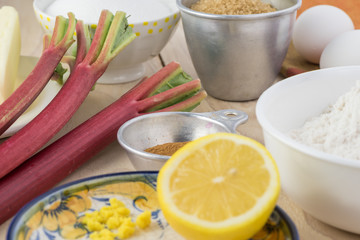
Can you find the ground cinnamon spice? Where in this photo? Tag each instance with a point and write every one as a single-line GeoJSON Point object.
{"type": "Point", "coordinates": [166, 149]}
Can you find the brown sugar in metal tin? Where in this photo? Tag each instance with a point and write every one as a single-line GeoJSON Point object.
{"type": "Point", "coordinates": [232, 7]}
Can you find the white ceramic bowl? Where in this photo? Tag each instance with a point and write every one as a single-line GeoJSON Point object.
{"type": "Point", "coordinates": [324, 185]}
{"type": "Point", "coordinates": [152, 36]}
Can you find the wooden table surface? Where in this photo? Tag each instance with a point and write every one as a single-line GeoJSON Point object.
{"type": "Point", "coordinates": [114, 159]}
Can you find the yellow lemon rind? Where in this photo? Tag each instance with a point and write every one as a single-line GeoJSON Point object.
{"type": "Point", "coordinates": [252, 221]}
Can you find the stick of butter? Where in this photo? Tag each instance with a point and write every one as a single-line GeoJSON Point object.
{"type": "Point", "coordinates": [10, 45]}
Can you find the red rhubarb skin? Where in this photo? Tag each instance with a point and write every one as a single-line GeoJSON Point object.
{"type": "Point", "coordinates": [29, 90]}
{"type": "Point", "coordinates": [54, 49]}
{"type": "Point", "coordinates": [51, 165]}
{"type": "Point", "coordinates": [45, 169]}
{"type": "Point", "coordinates": [33, 136]}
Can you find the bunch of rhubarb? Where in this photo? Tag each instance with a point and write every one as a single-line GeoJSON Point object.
{"type": "Point", "coordinates": [54, 50]}
{"type": "Point", "coordinates": [112, 35]}
{"type": "Point", "coordinates": [170, 89]}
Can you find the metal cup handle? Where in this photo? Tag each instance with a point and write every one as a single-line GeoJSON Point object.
{"type": "Point", "coordinates": [231, 118]}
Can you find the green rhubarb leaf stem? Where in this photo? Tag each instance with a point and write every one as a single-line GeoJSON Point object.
{"type": "Point", "coordinates": [151, 85]}
{"type": "Point", "coordinates": [170, 97]}
{"type": "Point", "coordinates": [98, 41]}
{"type": "Point", "coordinates": [32, 137]}
{"type": "Point", "coordinates": [117, 41]}
{"type": "Point", "coordinates": [27, 92]}
{"type": "Point", "coordinates": [64, 34]}
{"type": "Point", "coordinates": [177, 78]}
{"type": "Point", "coordinates": [46, 41]}
{"type": "Point", "coordinates": [114, 36]}
{"type": "Point", "coordinates": [78, 51]}
{"type": "Point", "coordinates": [186, 105]}
{"type": "Point", "coordinates": [82, 43]}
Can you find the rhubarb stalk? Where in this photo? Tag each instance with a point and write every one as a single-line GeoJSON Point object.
{"type": "Point", "coordinates": [170, 89]}
{"type": "Point", "coordinates": [26, 93]}
{"type": "Point", "coordinates": [112, 35]}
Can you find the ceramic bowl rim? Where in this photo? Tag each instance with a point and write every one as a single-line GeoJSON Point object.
{"type": "Point", "coordinates": [290, 223]}
{"type": "Point", "coordinates": [137, 23]}
{"type": "Point", "coordinates": [277, 13]}
{"type": "Point", "coordinates": [286, 140]}
{"type": "Point", "coordinates": [59, 188]}
{"type": "Point", "coordinates": [292, 226]}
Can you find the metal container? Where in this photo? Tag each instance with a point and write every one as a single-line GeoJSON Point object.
{"type": "Point", "coordinates": [153, 129]}
{"type": "Point", "coordinates": [237, 57]}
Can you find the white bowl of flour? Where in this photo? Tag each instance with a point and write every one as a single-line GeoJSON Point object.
{"type": "Point", "coordinates": [311, 126]}
{"type": "Point", "coordinates": [153, 22]}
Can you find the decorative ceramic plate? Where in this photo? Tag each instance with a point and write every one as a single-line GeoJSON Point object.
{"type": "Point", "coordinates": [57, 213]}
{"type": "Point", "coordinates": [26, 65]}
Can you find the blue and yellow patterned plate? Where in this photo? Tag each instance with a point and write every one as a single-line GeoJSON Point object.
{"type": "Point", "coordinates": [56, 214]}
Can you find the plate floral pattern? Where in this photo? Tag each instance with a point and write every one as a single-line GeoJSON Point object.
{"type": "Point", "coordinates": [58, 213]}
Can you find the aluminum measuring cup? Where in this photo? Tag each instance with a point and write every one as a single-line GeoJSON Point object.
{"type": "Point", "coordinates": [237, 57]}
{"type": "Point", "coordinates": [153, 129]}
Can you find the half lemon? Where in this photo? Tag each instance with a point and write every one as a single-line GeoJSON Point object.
{"type": "Point", "coordinates": [221, 186]}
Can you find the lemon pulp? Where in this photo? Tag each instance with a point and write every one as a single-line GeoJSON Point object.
{"type": "Point", "coordinates": [219, 186]}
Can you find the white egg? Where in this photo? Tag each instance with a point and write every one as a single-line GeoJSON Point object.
{"type": "Point", "coordinates": [343, 50]}
{"type": "Point", "coordinates": [316, 27]}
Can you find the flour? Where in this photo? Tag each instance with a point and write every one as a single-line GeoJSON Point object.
{"type": "Point", "coordinates": [337, 130]}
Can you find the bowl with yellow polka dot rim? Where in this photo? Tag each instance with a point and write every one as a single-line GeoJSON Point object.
{"type": "Point", "coordinates": [153, 22]}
